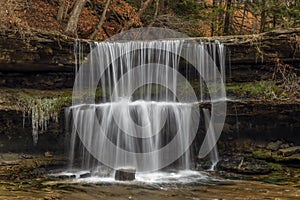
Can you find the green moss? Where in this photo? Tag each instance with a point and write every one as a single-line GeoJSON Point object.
{"type": "Point", "coordinates": [42, 109]}
{"type": "Point", "coordinates": [268, 155]}
{"type": "Point", "coordinates": [275, 166]}
{"type": "Point", "coordinates": [273, 156]}
{"type": "Point", "coordinates": [263, 89]}
{"type": "Point", "coordinates": [39, 105]}
{"type": "Point", "coordinates": [262, 154]}
{"type": "Point", "coordinates": [47, 102]}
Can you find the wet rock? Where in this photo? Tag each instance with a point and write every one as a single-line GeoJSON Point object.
{"type": "Point", "coordinates": [243, 165]}
{"type": "Point", "coordinates": [48, 154]}
{"type": "Point", "coordinates": [51, 163]}
{"type": "Point", "coordinates": [274, 146]}
{"type": "Point", "coordinates": [17, 166]}
{"type": "Point", "coordinates": [284, 146]}
{"type": "Point", "coordinates": [62, 176]}
{"type": "Point", "coordinates": [9, 157]}
{"type": "Point", "coordinates": [66, 177]}
{"type": "Point", "coordinates": [289, 151]}
{"type": "Point", "coordinates": [261, 145]}
{"type": "Point", "coordinates": [85, 175]}
{"type": "Point", "coordinates": [296, 157]}
{"type": "Point", "coordinates": [26, 156]}
{"type": "Point", "coordinates": [125, 174]}
{"type": "Point", "coordinates": [203, 164]}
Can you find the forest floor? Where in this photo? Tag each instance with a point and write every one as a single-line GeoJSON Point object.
{"type": "Point", "coordinates": [42, 15]}
{"type": "Point", "coordinates": [50, 189]}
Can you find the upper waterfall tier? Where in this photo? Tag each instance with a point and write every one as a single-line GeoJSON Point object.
{"type": "Point", "coordinates": [148, 70]}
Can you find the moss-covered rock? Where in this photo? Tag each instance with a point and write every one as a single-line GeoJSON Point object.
{"type": "Point", "coordinates": [275, 157]}
{"type": "Point", "coordinates": [40, 107]}
{"type": "Point", "coordinates": [244, 165]}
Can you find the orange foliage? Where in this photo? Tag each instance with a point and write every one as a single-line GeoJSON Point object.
{"type": "Point", "coordinates": [40, 14]}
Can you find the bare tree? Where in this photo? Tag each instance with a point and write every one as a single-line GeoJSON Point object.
{"type": "Point", "coordinates": [214, 19]}
{"type": "Point", "coordinates": [93, 35]}
{"type": "Point", "coordinates": [129, 23]}
{"type": "Point", "coordinates": [227, 17]}
{"type": "Point", "coordinates": [61, 8]}
{"type": "Point", "coordinates": [74, 18]}
{"type": "Point", "coordinates": [155, 12]}
{"type": "Point", "coordinates": [263, 16]}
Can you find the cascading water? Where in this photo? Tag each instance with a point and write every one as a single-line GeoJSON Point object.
{"type": "Point", "coordinates": [146, 113]}
{"type": "Point", "coordinates": [214, 154]}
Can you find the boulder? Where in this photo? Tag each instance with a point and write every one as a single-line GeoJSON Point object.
{"type": "Point", "coordinates": [284, 146]}
{"type": "Point", "coordinates": [204, 165]}
{"type": "Point", "coordinates": [125, 174]}
{"type": "Point", "coordinates": [274, 146]}
{"type": "Point", "coordinates": [85, 175]}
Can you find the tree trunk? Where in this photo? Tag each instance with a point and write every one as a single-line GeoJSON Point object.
{"type": "Point", "coordinates": [214, 19]}
{"type": "Point", "coordinates": [66, 10]}
{"type": "Point", "coordinates": [243, 18]}
{"type": "Point", "coordinates": [61, 8]}
{"type": "Point", "coordinates": [73, 21]}
{"type": "Point", "coordinates": [101, 20]}
{"type": "Point", "coordinates": [155, 13]}
{"type": "Point", "coordinates": [263, 17]}
{"type": "Point", "coordinates": [156, 8]}
{"type": "Point", "coordinates": [227, 18]}
{"type": "Point", "coordinates": [138, 15]}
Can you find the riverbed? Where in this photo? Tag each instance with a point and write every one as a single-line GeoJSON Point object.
{"type": "Point", "coordinates": [38, 189]}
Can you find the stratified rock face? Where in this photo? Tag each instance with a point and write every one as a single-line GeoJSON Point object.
{"type": "Point", "coordinates": [262, 120]}
{"type": "Point", "coordinates": [39, 52]}
{"type": "Point", "coordinates": [41, 61]}
{"type": "Point", "coordinates": [37, 80]}
{"type": "Point", "coordinates": [125, 174]}
{"type": "Point", "coordinates": [48, 61]}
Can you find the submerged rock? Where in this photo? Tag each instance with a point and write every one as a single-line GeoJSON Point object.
{"type": "Point", "coordinates": [125, 174]}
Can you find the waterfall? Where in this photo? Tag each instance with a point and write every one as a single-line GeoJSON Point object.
{"type": "Point", "coordinates": [214, 154]}
{"type": "Point", "coordinates": [133, 105]}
